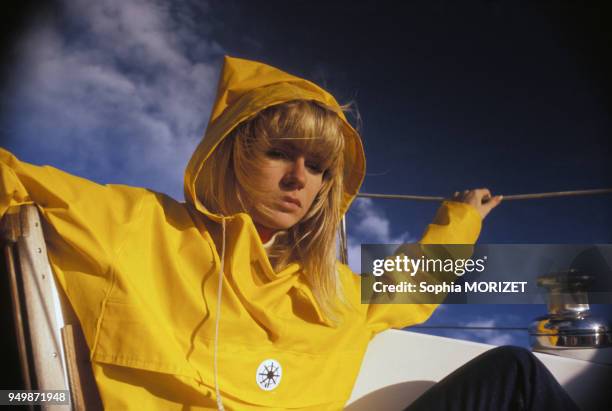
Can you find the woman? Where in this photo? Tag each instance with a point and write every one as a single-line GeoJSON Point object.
{"type": "Point", "coordinates": [235, 298]}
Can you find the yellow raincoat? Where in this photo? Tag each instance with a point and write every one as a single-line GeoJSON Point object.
{"type": "Point", "coordinates": [141, 271]}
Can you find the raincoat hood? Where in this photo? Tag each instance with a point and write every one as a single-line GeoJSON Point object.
{"type": "Point", "coordinates": [248, 87]}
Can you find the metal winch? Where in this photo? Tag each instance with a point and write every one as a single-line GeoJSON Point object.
{"type": "Point", "coordinates": [569, 323]}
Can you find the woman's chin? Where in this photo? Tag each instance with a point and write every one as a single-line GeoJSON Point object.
{"type": "Point", "coordinates": [278, 221]}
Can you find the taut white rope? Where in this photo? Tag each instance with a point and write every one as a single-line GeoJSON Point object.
{"type": "Point", "coordinates": [506, 197]}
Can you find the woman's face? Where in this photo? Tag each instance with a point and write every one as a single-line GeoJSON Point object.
{"type": "Point", "coordinates": [288, 182]}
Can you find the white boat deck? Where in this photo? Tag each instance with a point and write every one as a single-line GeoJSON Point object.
{"type": "Point", "coordinates": [400, 365]}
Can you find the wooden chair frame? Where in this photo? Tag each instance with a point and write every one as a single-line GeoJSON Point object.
{"type": "Point", "coordinates": [52, 349]}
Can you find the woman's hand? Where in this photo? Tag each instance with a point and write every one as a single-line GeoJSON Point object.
{"type": "Point", "coordinates": [479, 198]}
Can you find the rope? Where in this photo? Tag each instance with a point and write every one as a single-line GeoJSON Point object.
{"type": "Point", "coordinates": [468, 327]}
{"type": "Point", "coordinates": [506, 197]}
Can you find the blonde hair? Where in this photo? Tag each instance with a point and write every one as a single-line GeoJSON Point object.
{"type": "Point", "coordinates": [313, 129]}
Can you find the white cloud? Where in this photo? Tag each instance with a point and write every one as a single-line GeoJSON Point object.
{"type": "Point", "coordinates": [491, 334]}
{"type": "Point", "coordinates": [372, 226]}
{"type": "Point", "coordinates": [495, 328]}
{"type": "Point", "coordinates": [503, 338]}
{"type": "Point", "coordinates": [354, 255]}
{"type": "Point", "coordinates": [373, 223]}
{"type": "Point", "coordinates": [484, 323]}
{"type": "Point", "coordinates": [119, 88]}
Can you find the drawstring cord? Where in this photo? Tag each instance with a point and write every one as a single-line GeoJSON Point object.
{"type": "Point", "coordinates": [217, 320]}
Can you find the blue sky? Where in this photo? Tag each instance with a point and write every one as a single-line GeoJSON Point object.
{"type": "Point", "coordinates": [508, 96]}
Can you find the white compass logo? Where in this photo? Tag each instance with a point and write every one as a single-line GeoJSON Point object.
{"type": "Point", "coordinates": [269, 374]}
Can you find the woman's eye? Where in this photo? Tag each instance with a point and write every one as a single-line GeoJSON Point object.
{"type": "Point", "coordinates": [276, 154]}
{"type": "Point", "coordinates": [315, 168]}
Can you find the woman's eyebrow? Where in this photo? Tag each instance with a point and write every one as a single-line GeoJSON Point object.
{"type": "Point", "coordinates": [286, 144]}
{"type": "Point", "coordinates": [292, 147]}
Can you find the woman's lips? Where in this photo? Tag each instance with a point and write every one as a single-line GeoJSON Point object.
{"type": "Point", "coordinates": [291, 203]}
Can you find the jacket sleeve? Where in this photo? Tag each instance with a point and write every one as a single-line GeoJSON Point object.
{"type": "Point", "coordinates": [454, 223]}
{"type": "Point", "coordinates": [84, 226]}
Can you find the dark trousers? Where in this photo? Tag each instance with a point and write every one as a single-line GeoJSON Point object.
{"type": "Point", "coordinates": [504, 378]}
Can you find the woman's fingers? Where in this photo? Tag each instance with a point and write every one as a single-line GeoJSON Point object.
{"type": "Point", "coordinates": [487, 206]}
{"type": "Point", "coordinates": [482, 194]}
{"type": "Point", "coordinates": [479, 198]}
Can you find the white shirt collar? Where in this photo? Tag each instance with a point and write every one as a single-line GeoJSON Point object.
{"type": "Point", "coordinates": [267, 245]}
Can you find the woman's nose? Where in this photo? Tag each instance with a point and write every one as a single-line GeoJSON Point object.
{"type": "Point", "coordinates": [295, 177]}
